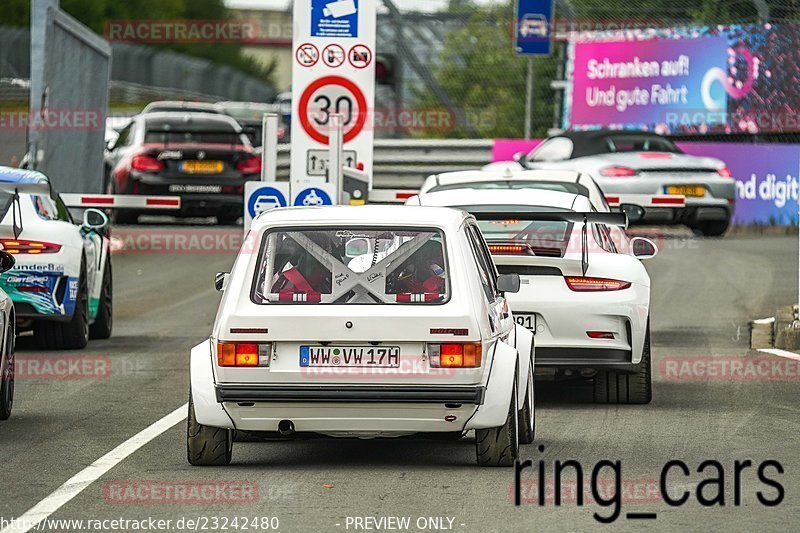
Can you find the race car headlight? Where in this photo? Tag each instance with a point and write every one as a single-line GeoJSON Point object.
{"type": "Point", "coordinates": [243, 354]}
{"type": "Point", "coordinates": [20, 246]}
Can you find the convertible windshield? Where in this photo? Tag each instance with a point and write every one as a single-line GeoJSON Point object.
{"type": "Point", "coordinates": [352, 266]}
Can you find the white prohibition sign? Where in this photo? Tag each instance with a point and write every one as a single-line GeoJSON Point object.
{"type": "Point", "coordinates": [360, 56]}
{"type": "Point", "coordinates": [333, 55]}
{"type": "Point", "coordinates": [307, 55]}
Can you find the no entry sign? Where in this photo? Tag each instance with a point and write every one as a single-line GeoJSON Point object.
{"type": "Point", "coordinates": [333, 73]}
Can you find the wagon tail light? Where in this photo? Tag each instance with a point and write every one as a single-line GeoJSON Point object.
{"type": "Point", "coordinates": [249, 165]}
{"type": "Point", "coordinates": [584, 284]}
{"type": "Point", "coordinates": [455, 355]}
{"type": "Point", "coordinates": [618, 172]}
{"type": "Point", "coordinates": [146, 163]}
{"type": "Point", "coordinates": [29, 247]}
{"type": "Point", "coordinates": [725, 172]}
{"type": "Point", "coordinates": [243, 354]}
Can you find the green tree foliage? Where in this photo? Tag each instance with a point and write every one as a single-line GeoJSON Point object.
{"type": "Point", "coordinates": [96, 13]}
{"type": "Point", "coordinates": [486, 80]}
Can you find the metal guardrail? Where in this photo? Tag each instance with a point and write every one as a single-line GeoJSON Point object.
{"type": "Point", "coordinates": [404, 164]}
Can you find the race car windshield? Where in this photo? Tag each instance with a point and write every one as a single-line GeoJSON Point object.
{"type": "Point", "coordinates": [641, 144]}
{"type": "Point", "coordinates": [558, 186]}
{"type": "Point", "coordinates": [204, 131]}
{"type": "Point", "coordinates": [352, 266]}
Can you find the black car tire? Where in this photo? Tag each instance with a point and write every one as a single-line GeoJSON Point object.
{"type": "Point", "coordinates": [104, 321]}
{"type": "Point", "coordinates": [72, 335]}
{"type": "Point", "coordinates": [206, 445]}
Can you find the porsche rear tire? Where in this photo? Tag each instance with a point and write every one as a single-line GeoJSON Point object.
{"type": "Point", "coordinates": [526, 416]}
{"type": "Point", "coordinates": [500, 446]}
{"type": "Point", "coordinates": [72, 335]}
{"type": "Point", "coordinates": [206, 445]}
{"type": "Point", "coordinates": [619, 388]}
{"type": "Point", "coordinates": [104, 321]}
{"type": "Point", "coordinates": [712, 228]}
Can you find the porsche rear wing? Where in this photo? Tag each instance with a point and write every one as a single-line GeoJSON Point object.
{"type": "Point", "coordinates": [574, 217]}
{"type": "Point", "coordinates": [15, 188]}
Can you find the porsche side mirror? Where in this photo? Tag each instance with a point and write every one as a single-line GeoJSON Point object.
{"type": "Point", "coordinates": [221, 281]}
{"type": "Point", "coordinates": [7, 261]}
{"type": "Point", "coordinates": [521, 158]}
{"type": "Point", "coordinates": [508, 283]}
{"type": "Point", "coordinates": [94, 219]}
{"type": "Point", "coordinates": [643, 248]}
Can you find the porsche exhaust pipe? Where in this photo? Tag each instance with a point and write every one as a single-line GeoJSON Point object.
{"type": "Point", "coordinates": [286, 428]}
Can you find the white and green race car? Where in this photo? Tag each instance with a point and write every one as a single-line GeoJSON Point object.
{"type": "Point", "coordinates": [61, 284]}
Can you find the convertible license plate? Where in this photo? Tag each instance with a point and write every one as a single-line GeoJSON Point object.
{"type": "Point", "coordinates": [202, 167]}
{"type": "Point", "coordinates": [686, 190]}
{"type": "Point", "coordinates": [350, 356]}
{"type": "Point", "coordinates": [527, 321]}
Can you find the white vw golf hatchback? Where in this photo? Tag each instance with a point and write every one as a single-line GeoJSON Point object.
{"type": "Point", "coordinates": [363, 322]}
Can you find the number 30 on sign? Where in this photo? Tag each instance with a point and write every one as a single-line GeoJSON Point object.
{"type": "Point", "coordinates": [329, 95]}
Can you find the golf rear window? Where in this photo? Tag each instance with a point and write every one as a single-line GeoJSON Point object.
{"type": "Point", "coordinates": [352, 265]}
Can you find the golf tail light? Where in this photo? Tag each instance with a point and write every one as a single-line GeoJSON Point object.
{"type": "Point", "coordinates": [617, 171]}
{"type": "Point", "coordinates": [243, 354]}
{"type": "Point", "coordinates": [583, 284]}
{"type": "Point", "coordinates": [725, 172]}
{"type": "Point", "coordinates": [19, 246]}
{"type": "Point", "coordinates": [455, 355]}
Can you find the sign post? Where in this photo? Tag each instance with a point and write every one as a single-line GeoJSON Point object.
{"type": "Point", "coordinates": [333, 74]}
{"type": "Point", "coordinates": [269, 147]}
{"type": "Point", "coordinates": [532, 37]}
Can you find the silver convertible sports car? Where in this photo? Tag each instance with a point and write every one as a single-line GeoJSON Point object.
{"type": "Point", "coordinates": [634, 162]}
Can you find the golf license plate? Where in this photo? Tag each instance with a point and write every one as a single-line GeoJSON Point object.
{"type": "Point", "coordinates": [201, 167]}
{"type": "Point", "coordinates": [686, 190]}
{"type": "Point", "coordinates": [527, 321]}
{"type": "Point", "coordinates": [350, 356]}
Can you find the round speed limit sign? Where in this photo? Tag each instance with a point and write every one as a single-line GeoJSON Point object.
{"type": "Point", "coordinates": [329, 95]}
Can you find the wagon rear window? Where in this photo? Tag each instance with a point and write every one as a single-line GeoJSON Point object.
{"type": "Point", "coordinates": [352, 266]}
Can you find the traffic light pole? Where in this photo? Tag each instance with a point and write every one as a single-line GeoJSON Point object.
{"type": "Point", "coordinates": [529, 101]}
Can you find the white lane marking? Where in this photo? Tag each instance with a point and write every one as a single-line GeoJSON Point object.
{"type": "Point", "coordinates": [781, 353]}
{"type": "Point", "coordinates": [77, 483]}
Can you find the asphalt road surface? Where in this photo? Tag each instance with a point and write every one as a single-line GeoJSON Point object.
{"type": "Point", "coordinates": [704, 294]}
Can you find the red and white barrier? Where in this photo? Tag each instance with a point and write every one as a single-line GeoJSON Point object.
{"type": "Point", "coordinates": [121, 201]}
{"type": "Point", "coordinates": [647, 200]}
{"type": "Point", "coordinates": [391, 196]}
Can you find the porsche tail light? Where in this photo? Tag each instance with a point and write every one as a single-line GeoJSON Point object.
{"type": "Point", "coordinates": [243, 354]}
{"type": "Point", "coordinates": [146, 163]}
{"type": "Point", "coordinates": [508, 249]}
{"type": "Point", "coordinates": [249, 165]}
{"type": "Point", "coordinates": [455, 355]}
{"type": "Point", "coordinates": [725, 172]}
{"type": "Point", "coordinates": [617, 171]}
{"type": "Point", "coordinates": [584, 284]}
{"type": "Point", "coordinates": [20, 246]}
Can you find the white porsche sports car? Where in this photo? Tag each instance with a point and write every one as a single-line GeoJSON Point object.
{"type": "Point", "coordinates": [635, 162]}
{"type": "Point", "coordinates": [61, 284]}
{"type": "Point", "coordinates": [587, 303]}
{"type": "Point", "coordinates": [363, 322]}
